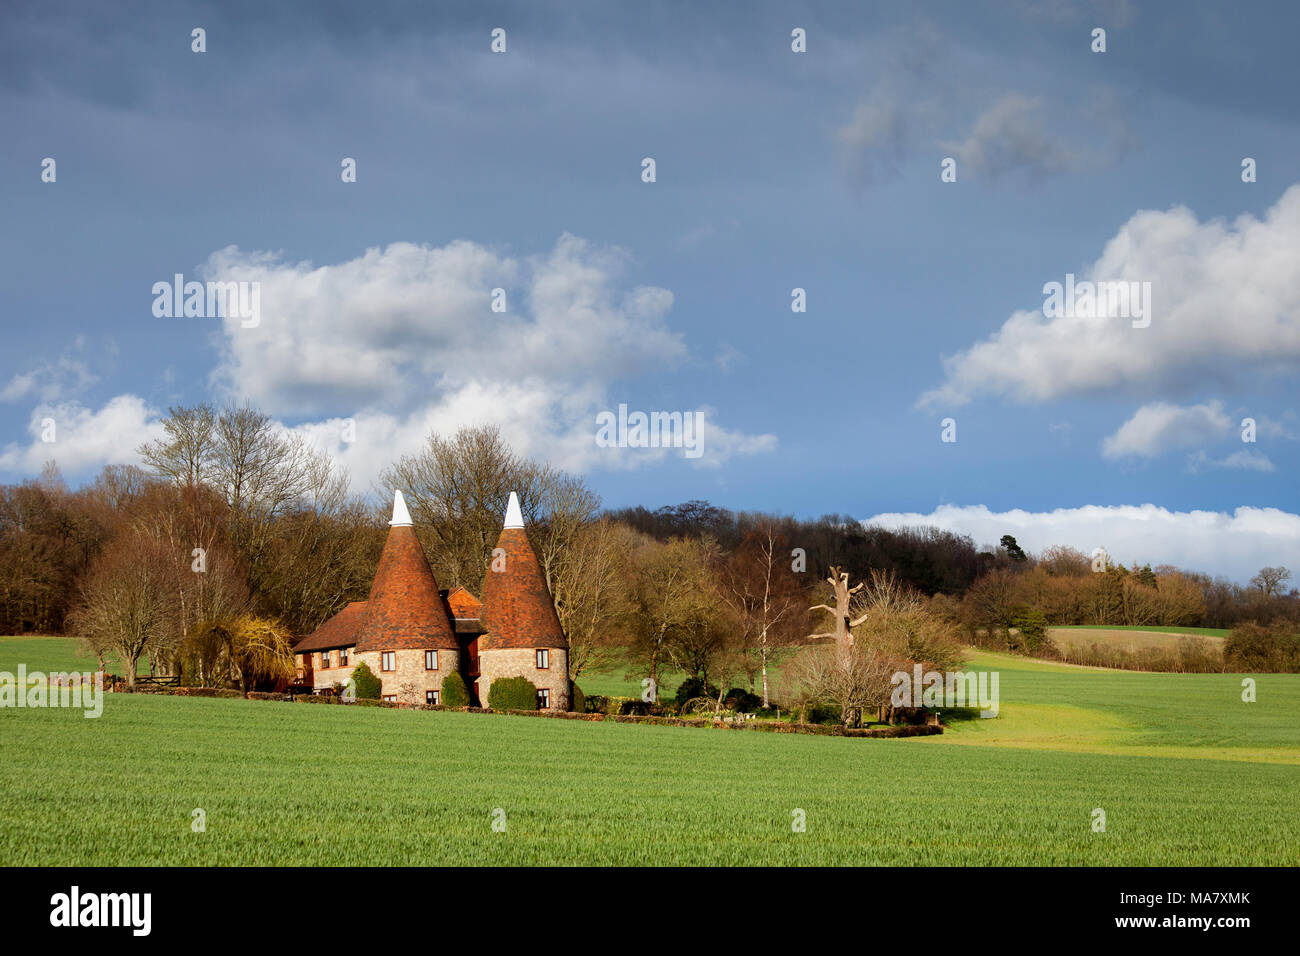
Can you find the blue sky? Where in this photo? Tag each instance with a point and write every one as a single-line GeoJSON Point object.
{"type": "Point", "coordinates": [775, 170]}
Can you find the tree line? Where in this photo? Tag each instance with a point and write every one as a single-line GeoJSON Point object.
{"type": "Point", "coordinates": [233, 537]}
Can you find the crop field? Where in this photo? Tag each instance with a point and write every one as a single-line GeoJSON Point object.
{"type": "Point", "coordinates": [1185, 771]}
{"type": "Point", "coordinates": [1135, 638]}
{"type": "Point", "coordinates": [1147, 629]}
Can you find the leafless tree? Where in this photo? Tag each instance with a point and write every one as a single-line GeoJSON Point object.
{"type": "Point", "coordinates": [842, 612]}
{"type": "Point", "coordinates": [669, 596]}
{"type": "Point", "coordinates": [764, 596]}
{"type": "Point", "coordinates": [856, 678]}
{"type": "Point", "coordinates": [588, 588]}
{"type": "Point", "coordinates": [1271, 580]}
{"type": "Point", "coordinates": [127, 603]}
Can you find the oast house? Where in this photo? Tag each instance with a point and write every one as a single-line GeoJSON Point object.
{"type": "Point", "coordinates": [412, 634]}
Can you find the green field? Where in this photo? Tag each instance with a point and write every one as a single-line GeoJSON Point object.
{"type": "Point", "coordinates": [52, 655]}
{"type": "Point", "coordinates": [1186, 773]}
{"type": "Point", "coordinates": [1145, 628]}
{"type": "Point", "coordinates": [1136, 639]}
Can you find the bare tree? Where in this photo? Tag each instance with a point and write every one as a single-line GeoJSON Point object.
{"type": "Point", "coordinates": [842, 611]}
{"type": "Point", "coordinates": [127, 603]}
{"type": "Point", "coordinates": [668, 596]}
{"type": "Point", "coordinates": [457, 489]}
{"type": "Point", "coordinates": [856, 678]}
{"type": "Point", "coordinates": [1271, 580]}
{"type": "Point", "coordinates": [185, 455]}
{"type": "Point", "coordinates": [764, 595]}
{"type": "Point", "coordinates": [588, 592]}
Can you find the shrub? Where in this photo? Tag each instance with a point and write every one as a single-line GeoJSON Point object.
{"type": "Point", "coordinates": [742, 700]}
{"type": "Point", "coordinates": [693, 687]}
{"type": "Point", "coordinates": [1252, 647]}
{"type": "Point", "coordinates": [454, 691]}
{"type": "Point", "coordinates": [512, 693]}
{"type": "Point", "coordinates": [824, 714]}
{"type": "Point", "coordinates": [367, 683]}
{"type": "Point", "coordinates": [579, 704]}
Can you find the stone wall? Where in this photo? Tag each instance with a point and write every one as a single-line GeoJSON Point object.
{"type": "Point", "coordinates": [323, 679]}
{"type": "Point", "coordinates": [522, 662]}
{"type": "Point", "coordinates": [410, 680]}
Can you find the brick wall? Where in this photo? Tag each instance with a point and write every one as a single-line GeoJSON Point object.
{"type": "Point", "coordinates": [521, 662]}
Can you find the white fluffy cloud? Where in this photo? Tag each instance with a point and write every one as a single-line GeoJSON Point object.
{"type": "Point", "coordinates": [1160, 426]}
{"type": "Point", "coordinates": [1225, 304]}
{"type": "Point", "coordinates": [1234, 544]}
{"type": "Point", "coordinates": [397, 326]}
{"type": "Point", "coordinates": [84, 438]}
{"type": "Point", "coordinates": [403, 340]}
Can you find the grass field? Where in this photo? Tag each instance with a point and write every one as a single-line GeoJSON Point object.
{"type": "Point", "coordinates": [1134, 638]}
{"type": "Point", "coordinates": [52, 655]}
{"type": "Point", "coordinates": [1148, 629]}
{"type": "Point", "coordinates": [1186, 773]}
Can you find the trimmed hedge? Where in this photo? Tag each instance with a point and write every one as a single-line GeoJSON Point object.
{"type": "Point", "coordinates": [367, 683]}
{"type": "Point", "coordinates": [512, 693]}
{"type": "Point", "coordinates": [205, 692]}
{"type": "Point", "coordinates": [454, 691]}
{"type": "Point", "coordinates": [579, 703]}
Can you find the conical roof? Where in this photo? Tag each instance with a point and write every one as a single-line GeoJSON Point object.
{"type": "Point", "coordinates": [518, 610]}
{"type": "Point", "coordinates": [404, 610]}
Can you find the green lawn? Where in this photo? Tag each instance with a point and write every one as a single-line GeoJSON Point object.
{"type": "Point", "coordinates": [1186, 773]}
{"type": "Point", "coordinates": [52, 655]}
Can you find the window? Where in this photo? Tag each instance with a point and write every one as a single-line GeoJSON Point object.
{"type": "Point", "coordinates": [343, 657]}
{"type": "Point", "coordinates": [324, 658]}
{"type": "Point", "coordinates": [390, 698]}
{"type": "Point", "coordinates": [430, 660]}
{"type": "Point", "coordinates": [431, 698]}
{"type": "Point", "coordinates": [543, 698]}
{"type": "Point", "coordinates": [387, 661]}
{"type": "Point", "coordinates": [543, 659]}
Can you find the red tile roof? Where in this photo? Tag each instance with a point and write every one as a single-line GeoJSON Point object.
{"type": "Point", "coordinates": [339, 631]}
{"type": "Point", "coordinates": [463, 604]}
{"type": "Point", "coordinates": [518, 610]}
{"type": "Point", "coordinates": [405, 610]}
